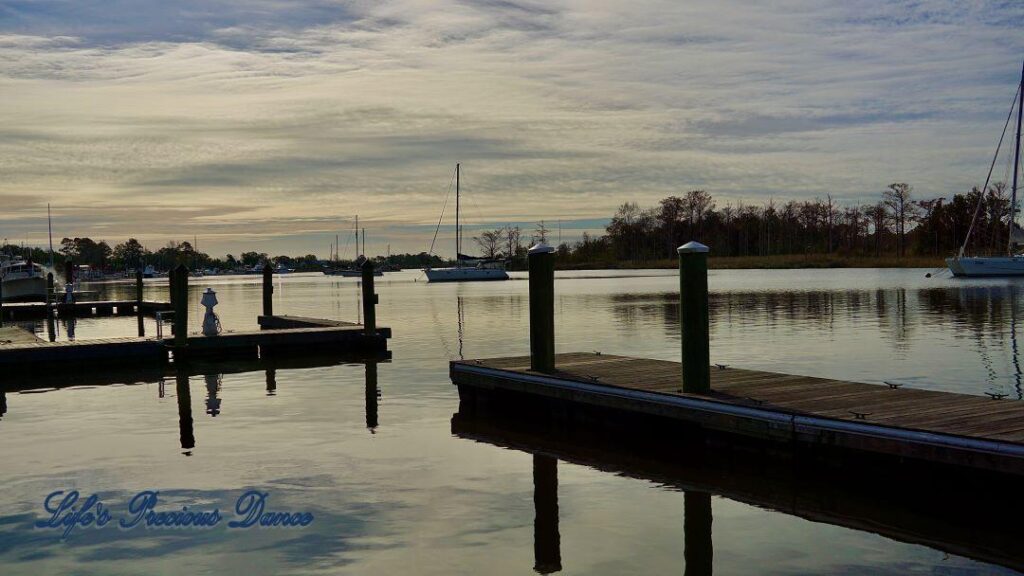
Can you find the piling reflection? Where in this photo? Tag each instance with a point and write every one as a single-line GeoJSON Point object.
{"type": "Point", "coordinates": [271, 382]}
{"type": "Point", "coordinates": [547, 543]}
{"type": "Point", "coordinates": [963, 513]}
{"type": "Point", "coordinates": [3, 403]}
{"type": "Point", "coordinates": [697, 548]}
{"type": "Point", "coordinates": [185, 427]}
{"type": "Point", "coordinates": [372, 396]}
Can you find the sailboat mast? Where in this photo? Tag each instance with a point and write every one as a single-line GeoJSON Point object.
{"type": "Point", "coordinates": [458, 229]}
{"type": "Point", "coordinates": [1016, 165]}
{"type": "Point", "coordinates": [49, 227]}
{"type": "Point", "coordinates": [357, 236]}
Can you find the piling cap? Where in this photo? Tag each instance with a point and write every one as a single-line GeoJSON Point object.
{"type": "Point", "coordinates": [541, 248]}
{"type": "Point", "coordinates": [692, 247]}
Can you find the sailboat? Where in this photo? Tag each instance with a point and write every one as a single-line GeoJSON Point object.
{"type": "Point", "coordinates": [354, 271]}
{"type": "Point", "coordinates": [467, 268]}
{"type": "Point", "coordinates": [1012, 264]}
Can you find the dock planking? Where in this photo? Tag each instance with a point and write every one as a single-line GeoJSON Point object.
{"type": "Point", "coordinates": [935, 426]}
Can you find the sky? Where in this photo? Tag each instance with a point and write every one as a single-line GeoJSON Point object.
{"type": "Point", "coordinates": [269, 124]}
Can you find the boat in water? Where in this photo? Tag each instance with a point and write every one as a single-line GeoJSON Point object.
{"type": "Point", "coordinates": [354, 271]}
{"type": "Point", "coordinates": [22, 280]}
{"type": "Point", "coordinates": [1012, 263]}
{"type": "Point", "coordinates": [467, 268]}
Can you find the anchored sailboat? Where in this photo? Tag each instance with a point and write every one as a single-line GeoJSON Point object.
{"type": "Point", "coordinates": [1013, 263]}
{"type": "Point", "coordinates": [467, 268]}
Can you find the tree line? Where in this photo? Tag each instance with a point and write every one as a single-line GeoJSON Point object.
{"type": "Point", "coordinates": [896, 225]}
{"type": "Point", "coordinates": [131, 254]}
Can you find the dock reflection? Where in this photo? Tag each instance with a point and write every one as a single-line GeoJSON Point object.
{"type": "Point", "coordinates": [214, 380]}
{"type": "Point", "coordinates": [956, 512]}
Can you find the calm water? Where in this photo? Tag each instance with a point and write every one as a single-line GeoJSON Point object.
{"type": "Point", "coordinates": [394, 491]}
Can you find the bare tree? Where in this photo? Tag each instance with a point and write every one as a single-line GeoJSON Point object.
{"type": "Point", "coordinates": [490, 242]}
{"type": "Point", "coordinates": [512, 235]}
{"type": "Point", "coordinates": [901, 207]}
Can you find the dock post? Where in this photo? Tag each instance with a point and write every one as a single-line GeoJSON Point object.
{"type": "Point", "coordinates": [268, 290]}
{"type": "Point", "coordinates": [693, 317]}
{"type": "Point", "coordinates": [138, 302]}
{"type": "Point", "coordinates": [547, 542]}
{"type": "Point", "coordinates": [1, 303]}
{"type": "Point", "coordinates": [69, 272]}
{"type": "Point", "coordinates": [51, 330]}
{"type": "Point", "coordinates": [542, 308]}
{"type": "Point", "coordinates": [698, 550]}
{"type": "Point", "coordinates": [180, 300]}
{"type": "Point", "coordinates": [369, 299]}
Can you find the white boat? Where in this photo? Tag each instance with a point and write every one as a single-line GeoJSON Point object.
{"type": "Point", "coordinates": [22, 281]}
{"type": "Point", "coordinates": [467, 269]}
{"type": "Point", "coordinates": [1012, 264]}
{"type": "Point", "coordinates": [149, 271]}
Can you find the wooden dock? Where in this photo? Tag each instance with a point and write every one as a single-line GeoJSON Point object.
{"type": "Point", "coordinates": [938, 427]}
{"type": "Point", "coordinates": [19, 359]}
{"type": "Point", "coordinates": [37, 310]}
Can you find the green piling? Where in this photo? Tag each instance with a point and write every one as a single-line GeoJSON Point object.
{"type": "Point", "coordinates": [693, 322]}
{"type": "Point", "coordinates": [369, 299]}
{"type": "Point", "coordinates": [268, 289]}
{"type": "Point", "coordinates": [138, 303]}
{"type": "Point", "coordinates": [51, 329]}
{"type": "Point", "coordinates": [542, 308]}
{"type": "Point", "coordinates": [180, 301]}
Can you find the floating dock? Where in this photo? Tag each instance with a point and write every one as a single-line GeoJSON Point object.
{"type": "Point", "coordinates": [939, 427]}
{"type": "Point", "coordinates": [20, 358]}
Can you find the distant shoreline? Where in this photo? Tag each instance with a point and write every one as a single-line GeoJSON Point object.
{"type": "Point", "coordinates": [780, 262]}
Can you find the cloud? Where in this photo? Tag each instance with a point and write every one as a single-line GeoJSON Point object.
{"type": "Point", "coordinates": [296, 115]}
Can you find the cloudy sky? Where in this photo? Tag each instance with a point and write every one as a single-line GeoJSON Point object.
{"type": "Point", "coordinates": [269, 123]}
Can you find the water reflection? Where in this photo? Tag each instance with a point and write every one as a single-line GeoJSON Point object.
{"type": "Point", "coordinates": [184, 394]}
{"type": "Point", "coordinates": [213, 382]}
{"type": "Point", "coordinates": [985, 316]}
{"type": "Point", "coordinates": [959, 512]}
{"type": "Point", "coordinates": [372, 397]}
{"type": "Point", "coordinates": [547, 543]}
{"type": "Point", "coordinates": [697, 548]}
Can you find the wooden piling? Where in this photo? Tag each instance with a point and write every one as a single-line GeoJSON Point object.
{"type": "Point", "coordinates": [369, 299]}
{"type": "Point", "coordinates": [542, 308]}
{"type": "Point", "coordinates": [180, 303]}
{"type": "Point", "coordinates": [51, 329]}
{"type": "Point", "coordinates": [268, 289]}
{"type": "Point", "coordinates": [69, 272]}
{"type": "Point", "coordinates": [1, 303]}
{"type": "Point", "coordinates": [138, 303]}
{"type": "Point", "coordinates": [693, 317]}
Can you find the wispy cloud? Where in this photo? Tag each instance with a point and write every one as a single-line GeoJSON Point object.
{"type": "Point", "coordinates": [237, 119]}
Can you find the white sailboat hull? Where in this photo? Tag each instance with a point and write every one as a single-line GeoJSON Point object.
{"type": "Point", "coordinates": [986, 266]}
{"type": "Point", "coordinates": [464, 274]}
